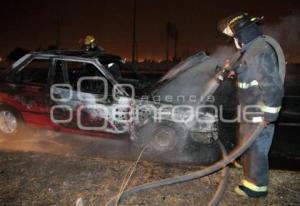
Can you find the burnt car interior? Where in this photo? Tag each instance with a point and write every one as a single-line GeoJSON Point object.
{"type": "Point", "coordinates": [68, 72]}
{"type": "Point", "coordinates": [36, 72]}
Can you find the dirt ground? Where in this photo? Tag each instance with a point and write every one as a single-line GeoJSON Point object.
{"type": "Point", "coordinates": [35, 172]}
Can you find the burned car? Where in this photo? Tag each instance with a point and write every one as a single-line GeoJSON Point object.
{"type": "Point", "coordinates": [75, 94]}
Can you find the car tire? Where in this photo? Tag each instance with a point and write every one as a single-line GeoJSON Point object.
{"type": "Point", "coordinates": [163, 137]}
{"type": "Point", "coordinates": [11, 122]}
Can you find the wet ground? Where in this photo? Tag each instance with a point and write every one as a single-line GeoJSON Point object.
{"type": "Point", "coordinates": [40, 170]}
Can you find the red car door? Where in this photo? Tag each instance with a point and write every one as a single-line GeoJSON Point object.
{"type": "Point", "coordinates": [28, 92]}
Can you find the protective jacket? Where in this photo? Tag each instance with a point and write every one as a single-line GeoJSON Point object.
{"type": "Point", "coordinates": [261, 72]}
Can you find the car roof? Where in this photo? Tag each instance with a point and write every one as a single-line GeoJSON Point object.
{"type": "Point", "coordinates": [65, 55]}
{"type": "Point", "coordinates": [69, 54]}
{"type": "Point", "coordinates": [75, 55]}
{"type": "Point", "coordinates": [78, 53]}
{"type": "Point", "coordinates": [72, 55]}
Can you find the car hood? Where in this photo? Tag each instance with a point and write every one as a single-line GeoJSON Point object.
{"type": "Point", "coordinates": [187, 82]}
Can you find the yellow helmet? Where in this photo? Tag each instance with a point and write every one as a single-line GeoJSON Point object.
{"type": "Point", "coordinates": [89, 39]}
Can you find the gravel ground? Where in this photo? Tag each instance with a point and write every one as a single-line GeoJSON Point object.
{"type": "Point", "coordinates": [34, 178]}
{"type": "Point", "coordinates": [49, 169]}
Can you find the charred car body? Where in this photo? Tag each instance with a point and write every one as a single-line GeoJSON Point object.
{"type": "Point", "coordinates": [73, 93]}
{"type": "Point", "coordinates": [173, 116]}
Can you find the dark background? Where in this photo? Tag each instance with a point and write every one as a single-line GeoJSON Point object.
{"type": "Point", "coordinates": [37, 24]}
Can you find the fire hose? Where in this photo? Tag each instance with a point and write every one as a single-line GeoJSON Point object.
{"type": "Point", "coordinates": [221, 164]}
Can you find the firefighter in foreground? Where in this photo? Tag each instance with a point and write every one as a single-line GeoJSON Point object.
{"type": "Point", "coordinates": [260, 74]}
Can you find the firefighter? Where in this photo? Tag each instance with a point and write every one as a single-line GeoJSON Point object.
{"type": "Point", "coordinates": [89, 43]}
{"type": "Point", "coordinates": [259, 66]}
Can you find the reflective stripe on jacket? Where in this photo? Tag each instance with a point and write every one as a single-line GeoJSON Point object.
{"type": "Point", "coordinates": [259, 80]}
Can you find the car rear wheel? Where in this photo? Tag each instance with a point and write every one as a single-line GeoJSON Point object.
{"type": "Point", "coordinates": [10, 122]}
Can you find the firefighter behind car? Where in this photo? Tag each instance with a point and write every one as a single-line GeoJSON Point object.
{"type": "Point", "coordinates": [260, 71]}
{"type": "Point", "coordinates": [89, 44]}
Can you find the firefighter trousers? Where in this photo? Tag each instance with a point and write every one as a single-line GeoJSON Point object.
{"type": "Point", "coordinates": [255, 160]}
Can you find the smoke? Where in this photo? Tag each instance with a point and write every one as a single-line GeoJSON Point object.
{"type": "Point", "coordinates": [51, 142]}
{"type": "Point", "coordinates": [287, 33]}
{"type": "Point", "coordinates": [222, 53]}
{"type": "Point", "coordinates": [33, 140]}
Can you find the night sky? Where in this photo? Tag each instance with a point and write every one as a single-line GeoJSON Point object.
{"type": "Point", "coordinates": [33, 24]}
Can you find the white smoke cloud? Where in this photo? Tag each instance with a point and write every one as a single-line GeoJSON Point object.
{"type": "Point", "coordinates": [287, 33]}
{"type": "Point", "coordinates": [222, 53]}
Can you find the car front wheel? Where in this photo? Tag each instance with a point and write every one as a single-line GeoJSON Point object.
{"type": "Point", "coordinates": [164, 137]}
{"type": "Point", "coordinates": [10, 122]}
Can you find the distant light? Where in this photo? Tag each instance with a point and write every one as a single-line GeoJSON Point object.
{"type": "Point", "coordinates": [0, 59]}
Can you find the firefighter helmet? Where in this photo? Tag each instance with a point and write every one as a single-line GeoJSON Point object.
{"type": "Point", "coordinates": [234, 24]}
{"type": "Point", "coordinates": [89, 39]}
